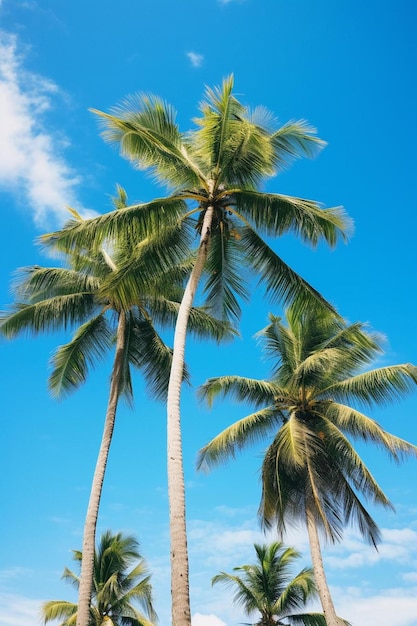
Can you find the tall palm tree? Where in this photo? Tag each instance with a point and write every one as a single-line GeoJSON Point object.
{"type": "Point", "coordinates": [269, 590]}
{"type": "Point", "coordinates": [84, 294]}
{"type": "Point", "coordinates": [312, 407]}
{"type": "Point", "coordinates": [120, 581]}
{"type": "Point", "coordinates": [214, 173]}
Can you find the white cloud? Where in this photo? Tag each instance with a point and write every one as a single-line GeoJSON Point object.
{"type": "Point", "coordinates": [16, 610]}
{"type": "Point", "coordinates": [195, 58]}
{"type": "Point", "coordinates": [392, 606]}
{"type": "Point", "coordinates": [32, 165]}
{"type": "Point", "coordinates": [199, 619]}
{"type": "Point", "coordinates": [398, 546]}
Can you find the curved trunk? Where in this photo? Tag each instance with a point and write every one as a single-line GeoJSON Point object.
{"type": "Point", "coordinates": [180, 591]}
{"type": "Point", "coordinates": [89, 537]}
{"type": "Point", "coordinates": [319, 574]}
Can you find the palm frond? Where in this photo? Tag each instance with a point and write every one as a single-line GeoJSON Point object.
{"type": "Point", "coordinates": [246, 431]}
{"type": "Point", "coordinates": [225, 282]}
{"type": "Point", "coordinates": [144, 127]}
{"type": "Point", "coordinates": [148, 352]}
{"type": "Point", "coordinates": [71, 361]}
{"type": "Point", "coordinates": [33, 284]}
{"type": "Point", "coordinates": [311, 619]}
{"type": "Point", "coordinates": [147, 267]}
{"type": "Point", "coordinates": [280, 281]}
{"type": "Point", "coordinates": [276, 214]}
{"type": "Point", "coordinates": [250, 390]}
{"type": "Point", "coordinates": [361, 426]}
{"type": "Point", "coordinates": [136, 223]}
{"type": "Point", "coordinates": [48, 315]}
{"type": "Point", "coordinates": [59, 610]}
{"type": "Point", "coordinates": [293, 140]}
{"type": "Point", "coordinates": [378, 386]}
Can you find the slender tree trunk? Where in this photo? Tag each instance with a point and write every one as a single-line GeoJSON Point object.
{"type": "Point", "coordinates": [89, 537]}
{"type": "Point", "coordinates": [319, 574]}
{"type": "Point", "coordinates": [180, 588]}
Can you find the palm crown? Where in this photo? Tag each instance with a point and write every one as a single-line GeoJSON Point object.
{"type": "Point", "coordinates": [217, 166]}
{"type": "Point", "coordinates": [270, 590]}
{"type": "Point", "coordinates": [121, 581]}
{"type": "Point", "coordinates": [84, 293]}
{"type": "Point", "coordinates": [311, 465]}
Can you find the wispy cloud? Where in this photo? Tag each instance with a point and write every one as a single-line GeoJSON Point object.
{"type": "Point", "coordinates": [32, 162]}
{"type": "Point", "coordinates": [195, 58]}
{"type": "Point", "coordinates": [16, 610]}
{"type": "Point", "coordinates": [398, 546]}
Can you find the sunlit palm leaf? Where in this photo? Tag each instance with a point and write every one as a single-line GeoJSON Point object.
{"type": "Point", "coordinates": [136, 222]}
{"type": "Point", "coordinates": [248, 430]}
{"type": "Point", "coordinates": [48, 315]}
{"type": "Point", "coordinates": [279, 280]}
{"type": "Point", "coordinates": [225, 282]}
{"type": "Point", "coordinates": [274, 215]}
{"type": "Point", "coordinates": [378, 386]}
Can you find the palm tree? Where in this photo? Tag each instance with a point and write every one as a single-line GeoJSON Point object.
{"type": "Point", "coordinates": [312, 407]}
{"type": "Point", "coordinates": [269, 589]}
{"type": "Point", "coordinates": [213, 173]}
{"type": "Point", "coordinates": [116, 587]}
{"type": "Point", "coordinates": [84, 294]}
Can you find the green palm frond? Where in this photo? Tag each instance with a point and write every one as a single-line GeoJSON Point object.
{"type": "Point", "coordinates": [311, 619]}
{"type": "Point", "coordinates": [297, 592]}
{"type": "Point", "coordinates": [295, 139]}
{"type": "Point", "coordinates": [379, 386]}
{"type": "Point", "coordinates": [279, 280]}
{"type": "Point", "coordinates": [48, 315]}
{"type": "Point", "coordinates": [361, 426]}
{"type": "Point", "coordinates": [225, 282]}
{"type": "Point", "coordinates": [71, 578]}
{"type": "Point", "coordinates": [237, 387]}
{"type": "Point", "coordinates": [152, 356]}
{"type": "Point", "coordinates": [34, 284]}
{"type": "Point", "coordinates": [280, 346]}
{"type": "Point", "coordinates": [71, 361]}
{"type": "Point", "coordinates": [152, 266]}
{"type": "Point", "coordinates": [246, 431]}
{"type": "Point", "coordinates": [224, 135]}
{"type": "Point", "coordinates": [60, 610]}
{"type": "Point", "coordinates": [144, 127]}
{"type": "Point", "coordinates": [275, 214]}
{"type": "Point", "coordinates": [135, 222]}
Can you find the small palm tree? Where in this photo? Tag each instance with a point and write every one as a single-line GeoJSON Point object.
{"type": "Point", "coordinates": [311, 471]}
{"type": "Point", "coordinates": [214, 173]}
{"type": "Point", "coordinates": [269, 590]}
{"type": "Point", "coordinates": [84, 293]}
{"type": "Point", "coordinates": [117, 587]}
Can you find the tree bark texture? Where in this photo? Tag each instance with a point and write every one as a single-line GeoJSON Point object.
{"type": "Point", "coordinates": [180, 590]}
{"type": "Point", "coordinates": [319, 574]}
{"type": "Point", "coordinates": [90, 525]}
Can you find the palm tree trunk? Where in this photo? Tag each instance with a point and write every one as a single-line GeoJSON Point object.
{"type": "Point", "coordinates": [319, 574]}
{"type": "Point", "coordinates": [89, 537]}
{"type": "Point", "coordinates": [180, 588]}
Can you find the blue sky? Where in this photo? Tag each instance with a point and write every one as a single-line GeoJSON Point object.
{"type": "Point", "coordinates": [348, 67]}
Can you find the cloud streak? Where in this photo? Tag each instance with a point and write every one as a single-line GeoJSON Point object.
{"type": "Point", "coordinates": [16, 610]}
{"type": "Point", "coordinates": [32, 165]}
{"type": "Point", "coordinates": [195, 59]}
